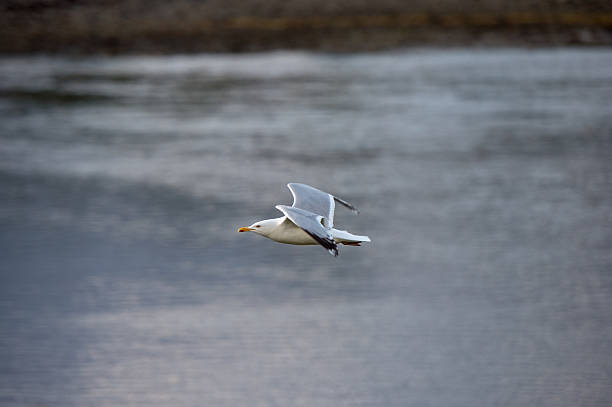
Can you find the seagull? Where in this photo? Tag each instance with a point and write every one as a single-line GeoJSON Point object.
{"type": "Point", "coordinates": [309, 221]}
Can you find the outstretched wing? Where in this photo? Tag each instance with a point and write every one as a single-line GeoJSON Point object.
{"type": "Point", "coordinates": [318, 202]}
{"type": "Point", "coordinates": [310, 223]}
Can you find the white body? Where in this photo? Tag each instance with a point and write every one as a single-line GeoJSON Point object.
{"type": "Point", "coordinates": [284, 231]}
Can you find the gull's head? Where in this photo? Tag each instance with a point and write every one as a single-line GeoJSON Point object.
{"type": "Point", "coordinates": [263, 227]}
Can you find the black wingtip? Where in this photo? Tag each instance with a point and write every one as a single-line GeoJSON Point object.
{"type": "Point", "coordinates": [329, 244]}
{"type": "Point", "coordinates": [347, 205]}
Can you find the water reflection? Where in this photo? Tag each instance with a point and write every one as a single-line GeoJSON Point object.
{"type": "Point", "coordinates": [483, 178]}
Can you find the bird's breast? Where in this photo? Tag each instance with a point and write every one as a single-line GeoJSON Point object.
{"type": "Point", "coordinates": [290, 234]}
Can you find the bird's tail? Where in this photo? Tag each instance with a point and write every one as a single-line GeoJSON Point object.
{"type": "Point", "coordinates": [342, 236]}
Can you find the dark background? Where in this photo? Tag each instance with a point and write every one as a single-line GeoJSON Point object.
{"type": "Point", "coordinates": [112, 26]}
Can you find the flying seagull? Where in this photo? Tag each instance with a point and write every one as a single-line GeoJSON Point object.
{"type": "Point", "coordinates": [310, 220]}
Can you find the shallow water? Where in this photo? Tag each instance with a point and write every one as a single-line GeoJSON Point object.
{"type": "Point", "coordinates": [483, 177]}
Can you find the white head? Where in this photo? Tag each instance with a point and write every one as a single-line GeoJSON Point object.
{"type": "Point", "coordinates": [263, 227]}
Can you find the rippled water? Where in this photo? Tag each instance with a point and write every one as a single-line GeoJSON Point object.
{"type": "Point", "coordinates": [484, 178]}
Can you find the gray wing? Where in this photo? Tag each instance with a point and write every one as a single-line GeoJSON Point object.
{"type": "Point", "coordinates": [316, 201]}
{"type": "Point", "coordinates": [310, 223]}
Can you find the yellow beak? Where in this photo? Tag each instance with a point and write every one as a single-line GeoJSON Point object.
{"type": "Point", "coordinates": [245, 229]}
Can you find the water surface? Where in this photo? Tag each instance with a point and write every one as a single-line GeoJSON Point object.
{"type": "Point", "coordinates": [483, 177]}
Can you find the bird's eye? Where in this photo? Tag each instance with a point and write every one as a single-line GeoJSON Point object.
{"type": "Point", "coordinates": [257, 226]}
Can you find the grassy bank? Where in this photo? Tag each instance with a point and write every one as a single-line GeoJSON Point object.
{"type": "Point", "coordinates": [111, 26]}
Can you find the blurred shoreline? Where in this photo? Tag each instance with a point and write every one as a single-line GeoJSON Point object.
{"type": "Point", "coordinates": [136, 26]}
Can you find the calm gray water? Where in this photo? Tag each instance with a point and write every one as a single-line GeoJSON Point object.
{"type": "Point", "coordinates": [484, 178]}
